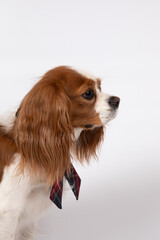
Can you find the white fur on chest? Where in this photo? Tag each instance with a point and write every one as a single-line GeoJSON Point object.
{"type": "Point", "coordinates": [21, 203]}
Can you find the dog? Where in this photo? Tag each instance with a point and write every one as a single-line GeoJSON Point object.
{"type": "Point", "coordinates": [62, 117]}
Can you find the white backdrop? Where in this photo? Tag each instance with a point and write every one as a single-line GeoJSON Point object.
{"type": "Point", "coordinates": [118, 41]}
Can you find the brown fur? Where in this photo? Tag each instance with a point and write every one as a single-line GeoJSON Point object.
{"type": "Point", "coordinates": [7, 149]}
{"type": "Point", "coordinates": [99, 83]}
{"type": "Point", "coordinates": [43, 130]}
{"type": "Point", "coordinates": [88, 143]}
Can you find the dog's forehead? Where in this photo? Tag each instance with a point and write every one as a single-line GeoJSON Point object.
{"type": "Point", "coordinates": [85, 73]}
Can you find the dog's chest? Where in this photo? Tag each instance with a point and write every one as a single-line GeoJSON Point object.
{"type": "Point", "coordinates": [36, 203]}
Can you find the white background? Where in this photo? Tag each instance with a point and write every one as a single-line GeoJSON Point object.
{"type": "Point", "coordinates": [118, 41]}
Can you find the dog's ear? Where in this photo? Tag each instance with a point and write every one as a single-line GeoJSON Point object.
{"type": "Point", "coordinates": [17, 112]}
{"type": "Point", "coordinates": [43, 131]}
{"type": "Point", "coordinates": [88, 142]}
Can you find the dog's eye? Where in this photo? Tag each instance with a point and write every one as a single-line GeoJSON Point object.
{"type": "Point", "coordinates": [88, 95]}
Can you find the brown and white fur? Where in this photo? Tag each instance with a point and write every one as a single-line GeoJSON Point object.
{"type": "Point", "coordinates": [61, 118]}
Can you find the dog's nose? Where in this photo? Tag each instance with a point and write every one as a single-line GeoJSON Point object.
{"type": "Point", "coordinates": [114, 102]}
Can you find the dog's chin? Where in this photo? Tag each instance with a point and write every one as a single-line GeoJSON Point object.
{"type": "Point", "coordinates": [113, 114]}
{"type": "Point", "coordinates": [110, 116]}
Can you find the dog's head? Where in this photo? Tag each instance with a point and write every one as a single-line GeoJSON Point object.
{"type": "Point", "coordinates": [66, 110]}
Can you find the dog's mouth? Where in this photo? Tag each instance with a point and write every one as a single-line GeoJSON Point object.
{"type": "Point", "coordinates": [113, 114]}
{"type": "Point", "coordinates": [88, 126]}
{"type": "Point", "coordinates": [110, 115]}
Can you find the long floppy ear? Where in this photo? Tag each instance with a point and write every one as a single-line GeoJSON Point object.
{"type": "Point", "coordinates": [43, 132]}
{"type": "Point", "coordinates": [88, 143]}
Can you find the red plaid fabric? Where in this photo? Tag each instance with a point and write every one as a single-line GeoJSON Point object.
{"type": "Point", "coordinates": [57, 188]}
{"type": "Point", "coordinates": [56, 194]}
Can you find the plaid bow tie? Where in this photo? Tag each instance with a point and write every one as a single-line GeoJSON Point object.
{"type": "Point", "coordinates": [57, 188]}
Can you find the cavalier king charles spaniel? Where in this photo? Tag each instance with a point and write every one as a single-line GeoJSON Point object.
{"type": "Point", "coordinates": [61, 118]}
